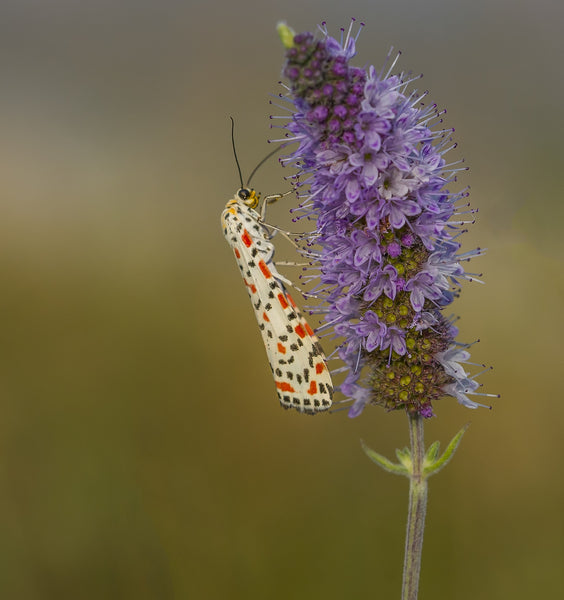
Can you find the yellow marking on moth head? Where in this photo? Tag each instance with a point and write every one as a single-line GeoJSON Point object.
{"type": "Point", "coordinates": [248, 196]}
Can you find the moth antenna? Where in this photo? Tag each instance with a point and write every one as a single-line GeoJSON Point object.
{"type": "Point", "coordinates": [261, 163]}
{"type": "Point", "coordinates": [235, 151]}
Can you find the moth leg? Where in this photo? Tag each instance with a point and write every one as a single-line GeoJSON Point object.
{"type": "Point", "coordinates": [270, 200]}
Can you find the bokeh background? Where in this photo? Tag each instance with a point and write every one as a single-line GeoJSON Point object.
{"type": "Point", "coordinates": [143, 453]}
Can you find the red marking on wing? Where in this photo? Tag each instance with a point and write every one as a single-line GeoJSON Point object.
{"type": "Point", "coordinates": [265, 317]}
{"type": "Point", "coordinates": [312, 388]}
{"type": "Point", "coordinates": [281, 348]}
{"type": "Point", "coordinates": [237, 253]}
{"type": "Point", "coordinates": [282, 301]}
{"type": "Point", "coordinates": [265, 270]}
{"type": "Point", "coordinates": [252, 286]}
{"type": "Point", "coordinates": [300, 331]}
{"type": "Point", "coordinates": [319, 367]}
{"type": "Point", "coordinates": [247, 239]}
{"type": "Point", "coordinates": [284, 386]}
{"type": "Point", "coordinates": [291, 300]}
{"type": "Point", "coordinates": [309, 329]}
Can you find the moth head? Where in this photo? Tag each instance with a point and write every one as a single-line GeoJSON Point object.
{"type": "Point", "coordinates": [249, 197]}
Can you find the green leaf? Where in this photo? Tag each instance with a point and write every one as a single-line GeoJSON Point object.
{"type": "Point", "coordinates": [383, 462]}
{"type": "Point", "coordinates": [432, 453]}
{"type": "Point", "coordinates": [286, 34]}
{"type": "Point", "coordinates": [438, 464]}
{"type": "Point", "coordinates": [404, 456]}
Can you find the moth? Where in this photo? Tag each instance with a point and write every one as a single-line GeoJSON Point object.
{"type": "Point", "coordinates": [298, 365]}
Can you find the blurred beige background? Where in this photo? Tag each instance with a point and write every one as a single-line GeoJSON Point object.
{"type": "Point", "coordinates": [143, 453]}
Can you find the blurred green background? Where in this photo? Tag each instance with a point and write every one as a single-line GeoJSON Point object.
{"type": "Point", "coordinates": [143, 453]}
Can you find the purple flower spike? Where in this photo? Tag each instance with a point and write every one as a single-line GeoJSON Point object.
{"type": "Point", "coordinates": [373, 156]}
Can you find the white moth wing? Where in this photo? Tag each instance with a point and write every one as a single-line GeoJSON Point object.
{"type": "Point", "coordinates": [302, 379]}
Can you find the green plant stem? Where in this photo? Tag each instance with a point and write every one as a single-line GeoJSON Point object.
{"type": "Point", "coordinates": [416, 513]}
